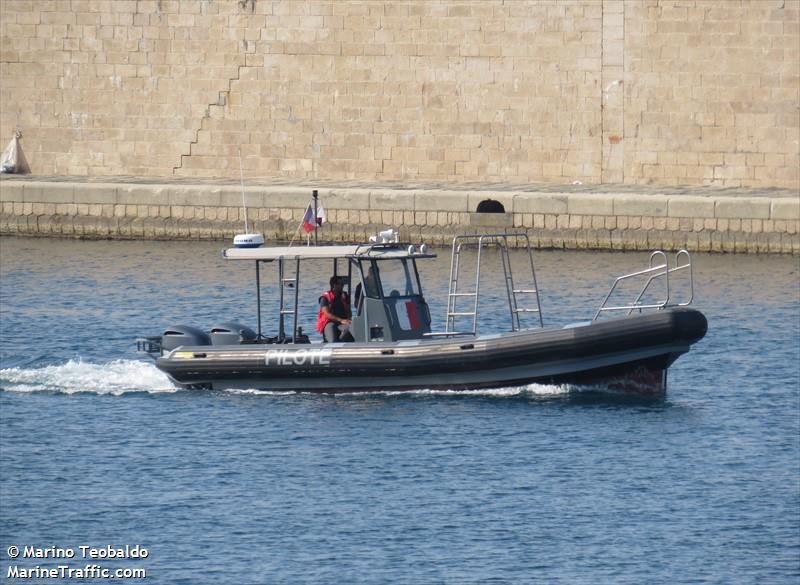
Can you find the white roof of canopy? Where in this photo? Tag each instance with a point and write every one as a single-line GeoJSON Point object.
{"type": "Point", "coordinates": [376, 251]}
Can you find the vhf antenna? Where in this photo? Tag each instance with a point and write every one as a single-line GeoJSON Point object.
{"type": "Point", "coordinates": [241, 180]}
{"type": "Point", "coordinates": [246, 240]}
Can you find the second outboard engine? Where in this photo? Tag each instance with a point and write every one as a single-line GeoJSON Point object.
{"type": "Point", "coordinates": [183, 335]}
{"type": "Point", "coordinates": [231, 333]}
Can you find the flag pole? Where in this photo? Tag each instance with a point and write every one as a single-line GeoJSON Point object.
{"type": "Point", "coordinates": [315, 194]}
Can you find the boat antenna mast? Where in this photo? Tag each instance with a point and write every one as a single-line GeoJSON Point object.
{"type": "Point", "coordinates": [246, 240]}
{"type": "Point", "coordinates": [241, 182]}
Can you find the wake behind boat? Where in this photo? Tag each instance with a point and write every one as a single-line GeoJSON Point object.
{"type": "Point", "coordinates": [394, 347]}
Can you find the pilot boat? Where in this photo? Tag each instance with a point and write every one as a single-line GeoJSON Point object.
{"type": "Point", "coordinates": [625, 347]}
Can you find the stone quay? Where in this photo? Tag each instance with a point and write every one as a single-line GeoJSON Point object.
{"type": "Point", "coordinates": [602, 217]}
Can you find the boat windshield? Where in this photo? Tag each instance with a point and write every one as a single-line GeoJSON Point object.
{"type": "Point", "coordinates": [397, 278]}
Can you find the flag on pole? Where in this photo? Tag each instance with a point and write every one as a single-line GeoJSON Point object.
{"type": "Point", "coordinates": [322, 217]}
{"type": "Point", "coordinates": [308, 220]}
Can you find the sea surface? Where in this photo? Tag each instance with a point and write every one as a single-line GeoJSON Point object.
{"type": "Point", "coordinates": [540, 484]}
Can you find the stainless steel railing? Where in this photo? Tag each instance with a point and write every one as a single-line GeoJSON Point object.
{"type": "Point", "coordinates": [655, 273]}
{"type": "Point", "coordinates": [512, 292]}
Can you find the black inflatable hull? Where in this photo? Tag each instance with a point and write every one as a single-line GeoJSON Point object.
{"type": "Point", "coordinates": [629, 354]}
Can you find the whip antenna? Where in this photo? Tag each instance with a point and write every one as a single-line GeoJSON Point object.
{"type": "Point", "coordinates": [241, 181]}
{"type": "Point", "coordinates": [246, 240]}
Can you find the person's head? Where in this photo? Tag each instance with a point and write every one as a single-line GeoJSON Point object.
{"type": "Point", "coordinates": [337, 283]}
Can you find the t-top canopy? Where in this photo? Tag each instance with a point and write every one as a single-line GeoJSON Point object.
{"type": "Point", "coordinates": [375, 251]}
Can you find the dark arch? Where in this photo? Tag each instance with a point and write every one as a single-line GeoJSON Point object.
{"type": "Point", "coordinates": [490, 206]}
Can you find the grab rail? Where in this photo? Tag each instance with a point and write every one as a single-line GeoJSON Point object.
{"type": "Point", "coordinates": [683, 262]}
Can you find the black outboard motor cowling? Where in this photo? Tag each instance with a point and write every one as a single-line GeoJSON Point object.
{"type": "Point", "coordinates": [183, 335]}
{"type": "Point", "coordinates": [231, 333]}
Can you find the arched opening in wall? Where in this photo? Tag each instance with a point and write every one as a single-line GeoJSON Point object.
{"type": "Point", "coordinates": [490, 206]}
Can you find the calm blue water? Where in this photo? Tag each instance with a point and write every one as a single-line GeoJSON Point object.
{"type": "Point", "coordinates": [535, 485]}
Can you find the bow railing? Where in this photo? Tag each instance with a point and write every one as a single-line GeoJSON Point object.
{"type": "Point", "coordinates": [657, 274]}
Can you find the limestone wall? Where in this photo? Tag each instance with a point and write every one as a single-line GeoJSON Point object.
{"type": "Point", "coordinates": [603, 91]}
{"type": "Point", "coordinates": [732, 222]}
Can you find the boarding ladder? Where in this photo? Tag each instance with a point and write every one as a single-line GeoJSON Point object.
{"type": "Point", "coordinates": [513, 293]}
{"type": "Point", "coordinates": [658, 271]}
{"type": "Point", "coordinates": [287, 278]}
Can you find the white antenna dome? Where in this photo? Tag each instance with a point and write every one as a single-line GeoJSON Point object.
{"type": "Point", "coordinates": [248, 241]}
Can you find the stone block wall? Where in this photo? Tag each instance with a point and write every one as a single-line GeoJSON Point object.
{"type": "Point", "coordinates": [613, 91]}
{"type": "Point", "coordinates": [712, 91]}
{"type": "Point", "coordinates": [609, 221]}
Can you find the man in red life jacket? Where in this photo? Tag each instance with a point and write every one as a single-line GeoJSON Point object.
{"type": "Point", "coordinates": [334, 316]}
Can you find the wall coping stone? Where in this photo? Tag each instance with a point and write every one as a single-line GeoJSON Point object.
{"type": "Point", "coordinates": [286, 185]}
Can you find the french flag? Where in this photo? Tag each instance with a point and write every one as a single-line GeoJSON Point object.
{"type": "Point", "coordinates": [309, 225]}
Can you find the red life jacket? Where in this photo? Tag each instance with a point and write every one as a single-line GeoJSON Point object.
{"type": "Point", "coordinates": [322, 320]}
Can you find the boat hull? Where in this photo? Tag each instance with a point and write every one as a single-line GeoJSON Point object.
{"type": "Point", "coordinates": [630, 354]}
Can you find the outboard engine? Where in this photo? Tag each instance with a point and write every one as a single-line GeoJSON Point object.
{"type": "Point", "coordinates": [231, 333]}
{"type": "Point", "coordinates": [183, 335]}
